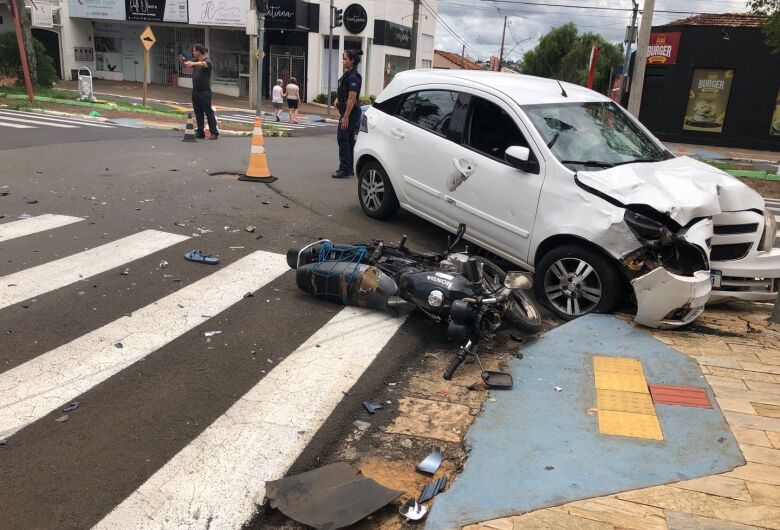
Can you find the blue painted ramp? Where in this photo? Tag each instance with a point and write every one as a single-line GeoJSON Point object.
{"type": "Point", "coordinates": [535, 447]}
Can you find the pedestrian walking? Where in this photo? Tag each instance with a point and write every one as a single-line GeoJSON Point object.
{"type": "Point", "coordinates": [277, 98]}
{"type": "Point", "coordinates": [201, 90]}
{"type": "Point", "coordinates": [348, 104]}
{"type": "Point", "coordinates": [292, 93]}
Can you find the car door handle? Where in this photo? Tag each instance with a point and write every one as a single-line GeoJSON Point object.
{"type": "Point", "coordinates": [398, 133]}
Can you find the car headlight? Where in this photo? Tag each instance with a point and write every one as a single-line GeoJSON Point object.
{"type": "Point", "coordinates": [770, 231]}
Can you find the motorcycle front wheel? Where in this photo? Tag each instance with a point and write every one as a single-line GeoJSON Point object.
{"type": "Point", "coordinates": [521, 311]}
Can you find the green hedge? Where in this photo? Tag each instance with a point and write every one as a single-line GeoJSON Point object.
{"type": "Point", "coordinates": [11, 65]}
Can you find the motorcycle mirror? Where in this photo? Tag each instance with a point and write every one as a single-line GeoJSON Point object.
{"type": "Point", "coordinates": [497, 379]}
{"type": "Point", "coordinates": [517, 280]}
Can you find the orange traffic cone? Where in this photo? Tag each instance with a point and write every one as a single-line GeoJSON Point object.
{"type": "Point", "coordinates": [189, 132]}
{"type": "Point", "coordinates": [258, 161]}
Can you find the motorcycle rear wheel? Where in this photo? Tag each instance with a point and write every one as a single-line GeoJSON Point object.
{"type": "Point", "coordinates": [521, 312]}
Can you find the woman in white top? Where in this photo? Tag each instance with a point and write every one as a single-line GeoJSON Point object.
{"type": "Point", "coordinates": [277, 98]}
{"type": "Point", "coordinates": [292, 93]}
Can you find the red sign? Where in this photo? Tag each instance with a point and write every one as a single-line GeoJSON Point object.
{"type": "Point", "coordinates": [663, 48]}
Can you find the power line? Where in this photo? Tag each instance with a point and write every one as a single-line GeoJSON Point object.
{"type": "Point", "coordinates": [449, 29]}
{"type": "Point", "coordinates": [599, 8]}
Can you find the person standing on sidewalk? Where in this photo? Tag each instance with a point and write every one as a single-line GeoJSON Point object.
{"type": "Point", "coordinates": [292, 93]}
{"type": "Point", "coordinates": [347, 102]}
{"type": "Point", "coordinates": [201, 91]}
{"type": "Point", "coordinates": [277, 98]}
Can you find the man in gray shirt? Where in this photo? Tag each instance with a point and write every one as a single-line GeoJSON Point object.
{"type": "Point", "coordinates": [201, 91]}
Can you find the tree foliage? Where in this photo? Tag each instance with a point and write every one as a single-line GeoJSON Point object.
{"type": "Point", "coordinates": [11, 65]}
{"type": "Point", "coordinates": [564, 54]}
{"type": "Point", "coordinates": [771, 28]}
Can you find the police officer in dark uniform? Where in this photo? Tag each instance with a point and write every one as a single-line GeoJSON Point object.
{"type": "Point", "coordinates": [349, 108]}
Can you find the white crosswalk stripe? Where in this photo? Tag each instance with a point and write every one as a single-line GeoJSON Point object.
{"type": "Point", "coordinates": [33, 225]}
{"type": "Point", "coordinates": [220, 476]}
{"type": "Point", "coordinates": [285, 125]}
{"type": "Point", "coordinates": [29, 283]}
{"type": "Point", "coordinates": [23, 119]}
{"type": "Point", "coordinates": [216, 479]}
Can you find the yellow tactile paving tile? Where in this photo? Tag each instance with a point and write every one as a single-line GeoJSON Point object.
{"type": "Point", "coordinates": [630, 424]}
{"type": "Point", "coordinates": [621, 381]}
{"type": "Point", "coordinates": [618, 401]}
{"type": "Point", "coordinates": [617, 365]}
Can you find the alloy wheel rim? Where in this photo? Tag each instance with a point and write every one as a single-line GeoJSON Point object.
{"type": "Point", "coordinates": [372, 190]}
{"type": "Point", "coordinates": [572, 286]}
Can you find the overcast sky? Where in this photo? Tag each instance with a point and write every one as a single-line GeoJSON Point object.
{"type": "Point", "coordinates": [479, 22]}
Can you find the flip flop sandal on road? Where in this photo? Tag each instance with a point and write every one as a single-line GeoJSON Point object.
{"type": "Point", "coordinates": [199, 257]}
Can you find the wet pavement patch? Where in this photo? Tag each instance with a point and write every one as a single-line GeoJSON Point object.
{"type": "Point", "coordinates": [536, 446]}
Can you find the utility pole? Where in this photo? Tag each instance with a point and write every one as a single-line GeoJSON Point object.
{"type": "Point", "coordinates": [260, 8]}
{"type": "Point", "coordinates": [415, 31]}
{"type": "Point", "coordinates": [501, 55]}
{"type": "Point", "coordinates": [629, 40]}
{"type": "Point", "coordinates": [643, 41]}
{"type": "Point", "coordinates": [463, 58]}
{"type": "Point", "coordinates": [15, 15]}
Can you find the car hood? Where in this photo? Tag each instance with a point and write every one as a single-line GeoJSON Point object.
{"type": "Point", "coordinates": [682, 188]}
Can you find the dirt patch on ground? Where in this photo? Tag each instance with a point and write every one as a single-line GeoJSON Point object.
{"type": "Point", "coordinates": [767, 188]}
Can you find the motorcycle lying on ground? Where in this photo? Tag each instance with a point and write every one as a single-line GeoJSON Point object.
{"type": "Point", "coordinates": [469, 294]}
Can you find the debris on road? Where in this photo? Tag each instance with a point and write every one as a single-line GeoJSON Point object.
{"type": "Point", "coordinates": [198, 256]}
{"type": "Point", "coordinates": [119, 345]}
{"type": "Point", "coordinates": [211, 333]}
{"type": "Point", "coordinates": [249, 229]}
{"type": "Point", "coordinates": [412, 510]}
{"type": "Point", "coordinates": [430, 463]}
{"type": "Point", "coordinates": [73, 405]}
{"type": "Point", "coordinates": [361, 425]}
{"type": "Point", "coordinates": [62, 419]}
{"type": "Point", "coordinates": [163, 264]}
{"type": "Point", "coordinates": [371, 408]}
{"type": "Point", "coordinates": [125, 272]}
{"type": "Point", "coordinates": [329, 497]}
{"type": "Point", "coordinates": [432, 489]}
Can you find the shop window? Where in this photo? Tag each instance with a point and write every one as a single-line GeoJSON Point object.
{"type": "Point", "coordinates": [492, 130]}
{"type": "Point", "coordinates": [229, 52]}
{"type": "Point", "coordinates": [708, 100]}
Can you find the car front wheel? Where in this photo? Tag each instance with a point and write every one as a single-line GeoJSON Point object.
{"type": "Point", "coordinates": [574, 280]}
{"type": "Point", "coordinates": [376, 193]}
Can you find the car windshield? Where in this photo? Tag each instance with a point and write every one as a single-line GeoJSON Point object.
{"type": "Point", "coordinates": [594, 135]}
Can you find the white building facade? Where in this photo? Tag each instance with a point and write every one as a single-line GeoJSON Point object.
{"type": "Point", "coordinates": [104, 36]}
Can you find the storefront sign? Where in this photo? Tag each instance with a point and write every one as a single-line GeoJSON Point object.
{"type": "Point", "coordinates": [392, 34]}
{"type": "Point", "coordinates": [42, 15]}
{"type": "Point", "coordinates": [218, 12]}
{"type": "Point", "coordinates": [708, 100]}
{"type": "Point", "coordinates": [288, 15]}
{"type": "Point", "coordinates": [774, 126]}
{"type": "Point", "coordinates": [355, 18]}
{"type": "Point", "coordinates": [663, 48]}
{"type": "Point", "coordinates": [156, 10]}
{"type": "Point", "coordinates": [99, 9]}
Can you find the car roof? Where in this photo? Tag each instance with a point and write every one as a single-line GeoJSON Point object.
{"type": "Point", "coordinates": [523, 89]}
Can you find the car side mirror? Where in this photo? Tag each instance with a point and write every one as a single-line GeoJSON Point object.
{"type": "Point", "coordinates": [520, 157]}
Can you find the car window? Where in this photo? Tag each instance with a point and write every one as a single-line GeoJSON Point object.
{"type": "Point", "coordinates": [406, 110]}
{"type": "Point", "coordinates": [433, 110]}
{"type": "Point", "coordinates": [491, 130]}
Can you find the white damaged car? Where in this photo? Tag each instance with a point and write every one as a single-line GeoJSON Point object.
{"type": "Point", "coordinates": [561, 181]}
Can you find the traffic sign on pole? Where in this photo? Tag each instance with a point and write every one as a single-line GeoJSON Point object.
{"type": "Point", "coordinates": [147, 39]}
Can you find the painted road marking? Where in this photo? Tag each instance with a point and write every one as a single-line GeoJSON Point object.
{"type": "Point", "coordinates": [32, 225]}
{"type": "Point", "coordinates": [47, 118]}
{"type": "Point", "coordinates": [220, 476]}
{"type": "Point", "coordinates": [29, 283]}
{"type": "Point", "coordinates": [38, 122]}
{"type": "Point", "coordinates": [16, 125]}
{"type": "Point", "coordinates": [35, 388]}
{"type": "Point", "coordinates": [623, 400]}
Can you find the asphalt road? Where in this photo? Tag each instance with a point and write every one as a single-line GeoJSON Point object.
{"type": "Point", "coordinates": [135, 419]}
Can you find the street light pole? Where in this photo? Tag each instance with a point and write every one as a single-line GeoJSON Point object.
{"type": "Point", "coordinates": [330, 56]}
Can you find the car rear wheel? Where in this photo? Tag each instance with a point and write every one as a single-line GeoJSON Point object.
{"type": "Point", "coordinates": [376, 193]}
{"type": "Point", "coordinates": [574, 280]}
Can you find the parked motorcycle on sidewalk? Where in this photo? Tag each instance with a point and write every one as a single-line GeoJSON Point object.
{"type": "Point", "coordinates": [469, 294]}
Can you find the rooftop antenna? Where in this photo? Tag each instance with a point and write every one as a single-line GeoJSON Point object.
{"type": "Point", "coordinates": [563, 92]}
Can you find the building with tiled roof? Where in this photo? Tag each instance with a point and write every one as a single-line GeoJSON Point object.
{"type": "Point", "coordinates": [731, 20]}
{"type": "Point", "coordinates": [453, 61]}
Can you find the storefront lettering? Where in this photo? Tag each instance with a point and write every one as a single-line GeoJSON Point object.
{"type": "Point", "coordinates": [401, 36]}
{"type": "Point", "coordinates": [355, 18]}
{"type": "Point", "coordinates": [276, 12]}
{"type": "Point", "coordinates": [665, 51]}
{"type": "Point", "coordinates": [717, 84]}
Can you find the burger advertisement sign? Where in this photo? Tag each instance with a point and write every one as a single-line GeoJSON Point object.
{"type": "Point", "coordinates": [708, 100]}
{"type": "Point", "coordinates": [663, 47]}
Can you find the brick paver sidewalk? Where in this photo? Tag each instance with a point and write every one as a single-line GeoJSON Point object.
{"type": "Point", "coordinates": [739, 354]}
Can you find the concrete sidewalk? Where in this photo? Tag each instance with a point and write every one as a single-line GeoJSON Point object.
{"type": "Point", "coordinates": [710, 152]}
{"type": "Point", "coordinates": [738, 352]}
{"type": "Point", "coordinates": [172, 97]}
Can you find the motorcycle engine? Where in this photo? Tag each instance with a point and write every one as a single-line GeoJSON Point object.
{"type": "Point", "coordinates": [434, 291]}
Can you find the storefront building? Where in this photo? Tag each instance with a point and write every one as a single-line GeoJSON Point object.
{"type": "Point", "coordinates": [711, 79]}
{"type": "Point", "coordinates": [103, 35]}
